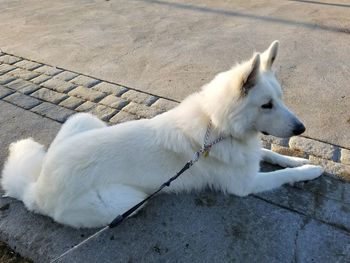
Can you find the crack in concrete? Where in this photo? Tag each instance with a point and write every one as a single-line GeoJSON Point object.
{"type": "Point", "coordinates": [302, 226]}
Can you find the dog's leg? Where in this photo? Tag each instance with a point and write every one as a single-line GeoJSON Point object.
{"type": "Point", "coordinates": [282, 160]}
{"type": "Point", "coordinates": [78, 123]}
{"type": "Point", "coordinates": [268, 181]}
{"type": "Point", "coordinates": [99, 206]}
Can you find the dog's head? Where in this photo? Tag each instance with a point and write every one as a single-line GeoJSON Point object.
{"type": "Point", "coordinates": [251, 99]}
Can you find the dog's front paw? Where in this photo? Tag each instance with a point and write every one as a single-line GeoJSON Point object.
{"type": "Point", "coordinates": [296, 162]}
{"type": "Point", "coordinates": [309, 172]}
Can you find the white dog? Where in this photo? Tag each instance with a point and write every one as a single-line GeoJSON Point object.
{"type": "Point", "coordinates": [92, 172]}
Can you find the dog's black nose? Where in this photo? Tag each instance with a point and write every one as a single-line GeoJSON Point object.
{"type": "Point", "coordinates": [299, 129]}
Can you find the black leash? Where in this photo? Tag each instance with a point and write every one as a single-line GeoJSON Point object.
{"type": "Point", "coordinates": [120, 218]}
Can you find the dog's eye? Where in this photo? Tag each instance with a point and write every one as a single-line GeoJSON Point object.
{"type": "Point", "coordinates": [267, 105]}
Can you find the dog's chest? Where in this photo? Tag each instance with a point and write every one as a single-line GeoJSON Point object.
{"type": "Point", "coordinates": [236, 153]}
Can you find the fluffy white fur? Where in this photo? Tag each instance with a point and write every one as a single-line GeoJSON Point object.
{"type": "Point", "coordinates": [92, 172]}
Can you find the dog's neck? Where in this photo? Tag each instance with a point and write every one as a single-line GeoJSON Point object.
{"type": "Point", "coordinates": [194, 126]}
{"type": "Point", "coordinates": [215, 133]}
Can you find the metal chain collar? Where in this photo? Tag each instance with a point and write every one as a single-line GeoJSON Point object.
{"type": "Point", "coordinates": [206, 146]}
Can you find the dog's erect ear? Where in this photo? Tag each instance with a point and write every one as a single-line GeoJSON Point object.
{"type": "Point", "coordinates": [269, 55]}
{"type": "Point", "coordinates": [251, 76]}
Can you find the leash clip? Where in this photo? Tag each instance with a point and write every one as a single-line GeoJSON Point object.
{"type": "Point", "coordinates": [206, 151]}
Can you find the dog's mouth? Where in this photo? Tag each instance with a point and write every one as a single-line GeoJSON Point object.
{"type": "Point", "coordinates": [265, 133]}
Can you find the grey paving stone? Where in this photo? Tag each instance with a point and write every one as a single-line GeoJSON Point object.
{"type": "Point", "coordinates": [21, 100]}
{"type": "Point", "coordinates": [328, 210]}
{"type": "Point", "coordinates": [66, 75]}
{"type": "Point", "coordinates": [48, 70]}
{"type": "Point", "coordinates": [17, 84]}
{"type": "Point", "coordinates": [4, 79]}
{"type": "Point", "coordinates": [87, 94]}
{"type": "Point", "coordinates": [114, 102]}
{"type": "Point", "coordinates": [29, 88]}
{"type": "Point", "coordinates": [313, 147]}
{"type": "Point", "coordinates": [5, 91]}
{"type": "Point", "coordinates": [288, 151]}
{"type": "Point", "coordinates": [151, 100]}
{"type": "Point", "coordinates": [110, 88]}
{"type": "Point", "coordinates": [58, 85]}
{"type": "Point", "coordinates": [275, 140]}
{"type": "Point", "coordinates": [103, 112]}
{"type": "Point", "coordinates": [345, 156]}
{"type": "Point", "coordinates": [8, 59]}
{"type": "Point", "coordinates": [329, 187]}
{"type": "Point", "coordinates": [333, 168]}
{"type": "Point", "coordinates": [49, 95]}
{"type": "Point", "coordinates": [85, 81]}
{"type": "Point", "coordinates": [52, 111]}
{"type": "Point", "coordinates": [22, 85]}
{"type": "Point", "coordinates": [27, 64]}
{"type": "Point", "coordinates": [317, 242]}
{"type": "Point", "coordinates": [23, 74]}
{"type": "Point", "coordinates": [123, 116]}
{"type": "Point", "coordinates": [4, 68]}
{"type": "Point", "coordinates": [332, 211]}
{"type": "Point", "coordinates": [164, 104]}
{"type": "Point", "coordinates": [86, 106]}
{"type": "Point", "coordinates": [141, 110]}
{"type": "Point", "coordinates": [40, 79]}
{"type": "Point", "coordinates": [71, 102]}
{"type": "Point", "coordinates": [139, 97]}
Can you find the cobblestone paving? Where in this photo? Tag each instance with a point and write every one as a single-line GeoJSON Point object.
{"type": "Point", "coordinates": [58, 93]}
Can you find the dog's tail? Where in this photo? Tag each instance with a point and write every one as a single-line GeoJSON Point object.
{"type": "Point", "coordinates": [21, 171]}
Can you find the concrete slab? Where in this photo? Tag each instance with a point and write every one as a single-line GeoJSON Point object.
{"type": "Point", "coordinates": [17, 124]}
{"type": "Point", "coordinates": [285, 225]}
{"type": "Point", "coordinates": [171, 48]}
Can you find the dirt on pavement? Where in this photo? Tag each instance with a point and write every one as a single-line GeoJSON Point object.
{"type": "Point", "coordinates": [7, 255]}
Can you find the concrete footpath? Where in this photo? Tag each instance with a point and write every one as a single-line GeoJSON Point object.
{"type": "Point", "coordinates": [309, 222]}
